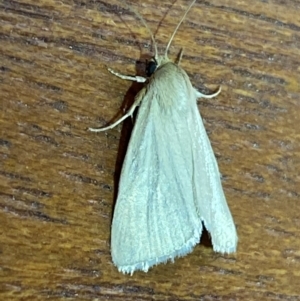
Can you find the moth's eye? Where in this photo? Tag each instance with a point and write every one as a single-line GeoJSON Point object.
{"type": "Point", "coordinates": [151, 67]}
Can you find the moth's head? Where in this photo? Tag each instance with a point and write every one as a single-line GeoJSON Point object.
{"type": "Point", "coordinates": [151, 66]}
{"type": "Point", "coordinates": [154, 63]}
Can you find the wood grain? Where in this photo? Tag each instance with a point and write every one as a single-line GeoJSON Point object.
{"type": "Point", "coordinates": [58, 182]}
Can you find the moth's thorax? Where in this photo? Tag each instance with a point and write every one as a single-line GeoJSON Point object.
{"type": "Point", "coordinates": [172, 73]}
{"type": "Point", "coordinates": [171, 87]}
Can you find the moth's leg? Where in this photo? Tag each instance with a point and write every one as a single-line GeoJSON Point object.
{"type": "Point", "coordinates": [137, 101]}
{"type": "Point", "coordinates": [199, 94]}
{"type": "Point", "coordinates": [136, 78]}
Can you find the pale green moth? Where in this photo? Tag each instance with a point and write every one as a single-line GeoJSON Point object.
{"type": "Point", "coordinates": [170, 181]}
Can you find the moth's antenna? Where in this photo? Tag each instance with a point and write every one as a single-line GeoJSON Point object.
{"type": "Point", "coordinates": [147, 27]}
{"type": "Point", "coordinates": [171, 39]}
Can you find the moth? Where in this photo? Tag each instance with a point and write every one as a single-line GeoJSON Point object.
{"type": "Point", "coordinates": [170, 182]}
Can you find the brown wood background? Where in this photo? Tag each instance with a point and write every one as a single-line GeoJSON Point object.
{"type": "Point", "coordinates": [58, 181]}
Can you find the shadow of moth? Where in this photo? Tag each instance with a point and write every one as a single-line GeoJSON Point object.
{"type": "Point", "coordinates": [170, 181]}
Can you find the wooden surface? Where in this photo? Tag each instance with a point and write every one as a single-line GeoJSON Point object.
{"type": "Point", "coordinates": [58, 181]}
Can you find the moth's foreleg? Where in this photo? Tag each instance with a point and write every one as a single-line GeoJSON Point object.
{"type": "Point", "coordinates": [135, 78]}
